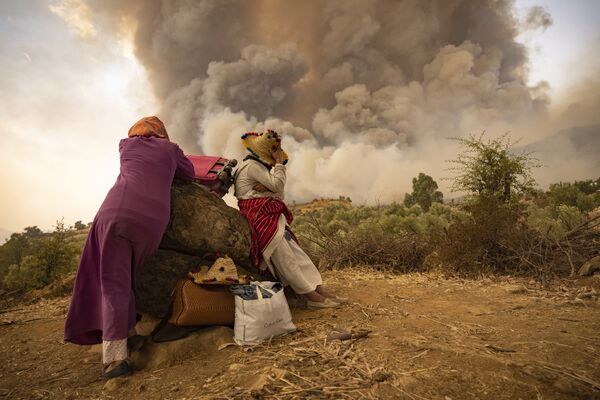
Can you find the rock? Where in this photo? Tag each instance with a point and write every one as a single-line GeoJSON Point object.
{"type": "Point", "coordinates": [202, 222]}
{"type": "Point", "coordinates": [146, 325]}
{"type": "Point", "coordinates": [590, 267]}
{"type": "Point", "coordinates": [203, 341]}
{"type": "Point", "coordinates": [155, 280]}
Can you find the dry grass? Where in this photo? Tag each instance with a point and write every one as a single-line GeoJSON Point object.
{"type": "Point", "coordinates": [402, 252]}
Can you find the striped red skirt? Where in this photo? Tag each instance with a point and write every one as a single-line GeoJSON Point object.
{"type": "Point", "coordinates": [262, 215]}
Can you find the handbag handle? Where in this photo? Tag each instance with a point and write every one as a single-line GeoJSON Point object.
{"type": "Point", "coordinates": [259, 291]}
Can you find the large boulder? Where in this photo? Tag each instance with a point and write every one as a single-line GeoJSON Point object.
{"type": "Point", "coordinates": [201, 222]}
{"type": "Point", "coordinates": [155, 280]}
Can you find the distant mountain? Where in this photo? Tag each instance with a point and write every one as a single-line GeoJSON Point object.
{"type": "Point", "coordinates": [4, 234]}
{"type": "Point", "coordinates": [570, 154]}
{"type": "Point", "coordinates": [580, 142]}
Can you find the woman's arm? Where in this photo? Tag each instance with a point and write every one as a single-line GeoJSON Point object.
{"type": "Point", "coordinates": [274, 182]}
{"type": "Point", "coordinates": [185, 169]}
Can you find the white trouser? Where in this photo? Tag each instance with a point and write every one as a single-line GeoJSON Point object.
{"type": "Point", "coordinates": [114, 350]}
{"type": "Point", "coordinates": [293, 267]}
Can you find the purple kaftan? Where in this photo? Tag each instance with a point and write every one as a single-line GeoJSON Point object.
{"type": "Point", "coordinates": [127, 229]}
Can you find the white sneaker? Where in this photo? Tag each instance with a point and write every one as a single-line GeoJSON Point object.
{"type": "Point", "coordinates": [328, 303]}
{"type": "Point", "coordinates": [341, 299]}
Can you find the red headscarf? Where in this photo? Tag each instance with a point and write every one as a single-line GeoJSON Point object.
{"type": "Point", "coordinates": [149, 126]}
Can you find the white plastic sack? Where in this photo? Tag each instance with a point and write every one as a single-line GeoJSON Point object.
{"type": "Point", "coordinates": [263, 318]}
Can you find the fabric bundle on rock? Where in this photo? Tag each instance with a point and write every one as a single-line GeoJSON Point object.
{"type": "Point", "coordinates": [222, 272]}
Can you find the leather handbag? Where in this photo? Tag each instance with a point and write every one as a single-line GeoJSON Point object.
{"type": "Point", "coordinates": [195, 305]}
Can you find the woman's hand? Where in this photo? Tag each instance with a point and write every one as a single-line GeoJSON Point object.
{"type": "Point", "coordinates": [259, 187]}
{"type": "Point", "coordinates": [278, 156]}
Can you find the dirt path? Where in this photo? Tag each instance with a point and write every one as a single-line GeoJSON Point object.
{"type": "Point", "coordinates": [430, 338]}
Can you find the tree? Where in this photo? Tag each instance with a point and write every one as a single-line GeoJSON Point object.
{"type": "Point", "coordinates": [79, 225]}
{"type": "Point", "coordinates": [424, 192]}
{"type": "Point", "coordinates": [582, 194]}
{"type": "Point", "coordinates": [29, 263]}
{"type": "Point", "coordinates": [490, 169]}
{"type": "Point", "coordinates": [589, 186]}
{"type": "Point", "coordinates": [496, 177]}
{"type": "Point", "coordinates": [33, 232]}
{"type": "Point", "coordinates": [17, 247]}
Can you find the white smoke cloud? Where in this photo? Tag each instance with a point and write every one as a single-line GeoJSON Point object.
{"type": "Point", "coordinates": [356, 87]}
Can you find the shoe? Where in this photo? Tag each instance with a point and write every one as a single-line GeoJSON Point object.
{"type": "Point", "coordinates": [328, 303]}
{"type": "Point", "coordinates": [342, 300]}
{"type": "Point", "coordinates": [117, 369]}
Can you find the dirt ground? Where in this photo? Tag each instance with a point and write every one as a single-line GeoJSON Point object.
{"type": "Point", "coordinates": [429, 338]}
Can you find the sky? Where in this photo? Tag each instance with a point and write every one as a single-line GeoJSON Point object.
{"type": "Point", "coordinates": [69, 91]}
{"type": "Point", "coordinates": [558, 50]}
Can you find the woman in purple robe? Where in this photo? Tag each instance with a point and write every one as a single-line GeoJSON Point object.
{"type": "Point", "coordinates": [126, 231]}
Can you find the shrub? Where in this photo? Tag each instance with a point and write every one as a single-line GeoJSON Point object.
{"type": "Point", "coordinates": [403, 252]}
{"type": "Point", "coordinates": [481, 242]}
{"type": "Point", "coordinates": [393, 235]}
{"type": "Point", "coordinates": [489, 168]}
{"type": "Point", "coordinates": [424, 192]}
{"type": "Point", "coordinates": [39, 259]}
{"type": "Point", "coordinates": [554, 222]}
{"type": "Point", "coordinates": [583, 194]}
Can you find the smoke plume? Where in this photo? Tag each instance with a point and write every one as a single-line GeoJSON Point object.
{"type": "Point", "coordinates": [364, 92]}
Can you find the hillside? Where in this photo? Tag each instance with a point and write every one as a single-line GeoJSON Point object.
{"type": "Point", "coordinates": [319, 204]}
{"type": "Point", "coordinates": [430, 338]}
{"type": "Point", "coordinates": [571, 152]}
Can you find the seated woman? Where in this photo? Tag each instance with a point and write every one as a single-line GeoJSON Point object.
{"type": "Point", "coordinates": [126, 231]}
{"type": "Point", "coordinates": [259, 188]}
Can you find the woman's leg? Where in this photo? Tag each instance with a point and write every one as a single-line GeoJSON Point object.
{"type": "Point", "coordinates": [314, 296]}
{"type": "Point", "coordinates": [295, 268]}
{"type": "Point", "coordinates": [325, 292]}
{"type": "Point", "coordinates": [116, 270]}
{"type": "Point", "coordinates": [114, 351]}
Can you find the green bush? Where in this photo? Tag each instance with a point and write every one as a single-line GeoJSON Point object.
{"type": "Point", "coordinates": [393, 235]}
{"type": "Point", "coordinates": [424, 192]}
{"type": "Point", "coordinates": [583, 195]}
{"type": "Point", "coordinates": [32, 260]}
{"type": "Point", "coordinates": [483, 241]}
{"type": "Point", "coordinates": [554, 221]}
{"type": "Point", "coordinates": [490, 168]}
